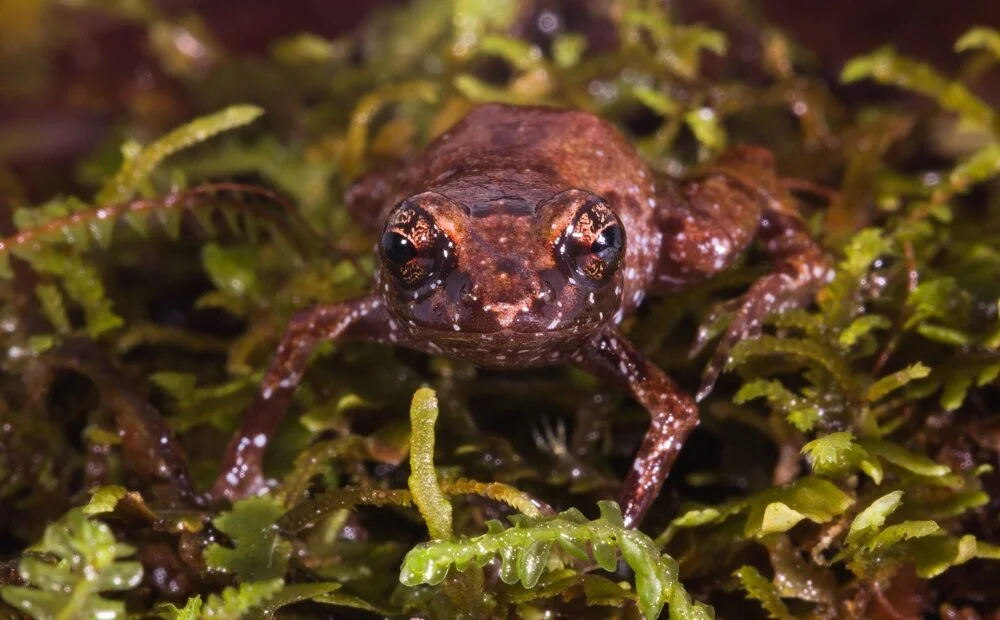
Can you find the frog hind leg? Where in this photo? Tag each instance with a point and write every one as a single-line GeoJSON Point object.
{"type": "Point", "coordinates": [709, 219]}
{"type": "Point", "coordinates": [674, 414]}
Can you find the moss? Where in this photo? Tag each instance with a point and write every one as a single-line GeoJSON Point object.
{"type": "Point", "coordinates": [843, 462]}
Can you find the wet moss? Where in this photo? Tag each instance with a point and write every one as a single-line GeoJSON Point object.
{"type": "Point", "coordinates": [843, 466]}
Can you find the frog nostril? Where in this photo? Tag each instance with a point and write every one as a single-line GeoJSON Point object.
{"type": "Point", "coordinates": [461, 289]}
{"type": "Point", "coordinates": [468, 296]}
{"type": "Point", "coordinates": [552, 284]}
{"type": "Point", "coordinates": [546, 293]}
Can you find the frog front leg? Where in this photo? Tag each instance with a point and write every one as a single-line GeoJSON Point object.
{"type": "Point", "coordinates": [674, 413]}
{"type": "Point", "coordinates": [242, 466]}
{"type": "Point", "coordinates": [708, 220]}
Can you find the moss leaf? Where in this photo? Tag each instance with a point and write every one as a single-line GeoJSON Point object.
{"type": "Point", "coordinates": [980, 38]}
{"type": "Point", "coordinates": [104, 499]}
{"type": "Point", "coordinates": [237, 602]}
{"type": "Point", "coordinates": [886, 385]}
{"type": "Point", "coordinates": [780, 509]}
{"type": "Point", "coordinates": [87, 561]}
{"type": "Point", "coordinates": [886, 66]}
{"type": "Point", "coordinates": [135, 169]}
{"type": "Point", "coordinates": [423, 483]}
{"type": "Point", "coordinates": [837, 454]}
{"type": "Point", "coordinates": [912, 462]}
{"type": "Point", "coordinates": [656, 577]}
{"type": "Point", "coordinates": [763, 591]}
{"type": "Point", "coordinates": [259, 553]}
{"type": "Point", "coordinates": [872, 518]}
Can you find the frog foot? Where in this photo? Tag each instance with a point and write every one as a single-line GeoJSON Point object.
{"type": "Point", "coordinates": [775, 292]}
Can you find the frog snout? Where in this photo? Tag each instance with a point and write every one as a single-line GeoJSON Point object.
{"type": "Point", "coordinates": [509, 266]}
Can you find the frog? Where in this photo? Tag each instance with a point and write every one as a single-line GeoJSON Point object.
{"type": "Point", "coordinates": [523, 237]}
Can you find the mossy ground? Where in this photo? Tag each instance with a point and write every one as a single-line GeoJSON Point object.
{"type": "Point", "coordinates": [844, 466]}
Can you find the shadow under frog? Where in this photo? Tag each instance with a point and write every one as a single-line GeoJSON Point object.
{"type": "Point", "coordinates": [522, 237]}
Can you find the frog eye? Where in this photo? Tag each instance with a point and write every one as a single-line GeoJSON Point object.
{"type": "Point", "coordinates": [412, 248]}
{"type": "Point", "coordinates": [411, 263]}
{"type": "Point", "coordinates": [594, 243]}
{"type": "Point", "coordinates": [608, 243]}
{"type": "Point", "coordinates": [397, 248]}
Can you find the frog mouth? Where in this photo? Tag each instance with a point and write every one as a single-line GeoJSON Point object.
{"type": "Point", "coordinates": [498, 321]}
{"type": "Point", "coordinates": [557, 329]}
{"type": "Point", "coordinates": [506, 315]}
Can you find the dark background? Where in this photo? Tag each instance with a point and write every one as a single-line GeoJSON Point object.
{"type": "Point", "coordinates": [101, 61]}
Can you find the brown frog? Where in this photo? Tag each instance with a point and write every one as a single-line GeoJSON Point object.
{"type": "Point", "coordinates": [522, 237]}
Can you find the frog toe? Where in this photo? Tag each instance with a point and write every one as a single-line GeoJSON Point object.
{"type": "Point", "coordinates": [773, 293]}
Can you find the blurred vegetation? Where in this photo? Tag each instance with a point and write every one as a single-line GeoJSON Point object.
{"type": "Point", "coordinates": [844, 466]}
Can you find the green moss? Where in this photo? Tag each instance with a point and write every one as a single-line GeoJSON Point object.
{"type": "Point", "coordinates": [77, 560]}
{"type": "Point", "coordinates": [845, 454]}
